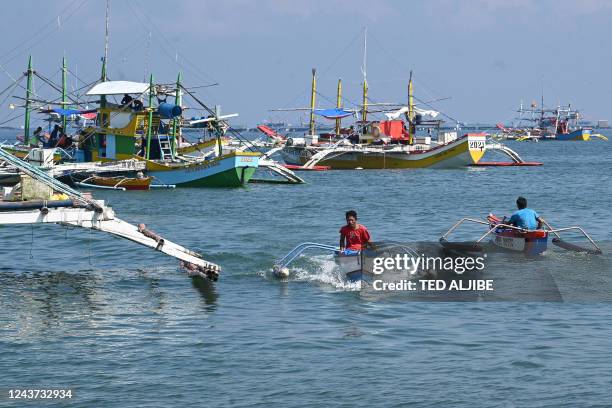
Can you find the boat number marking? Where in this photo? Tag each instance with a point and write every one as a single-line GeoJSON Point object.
{"type": "Point", "coordinates": [476, 144]}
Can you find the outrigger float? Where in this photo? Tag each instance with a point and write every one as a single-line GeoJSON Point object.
{"type": "Point", "coordinates": [41, 199]}
{"type": "Point", "coordinates": [509, 237]}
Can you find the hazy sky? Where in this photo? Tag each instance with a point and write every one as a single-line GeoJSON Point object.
{"type": "Point", "coordinates": [486, 55]}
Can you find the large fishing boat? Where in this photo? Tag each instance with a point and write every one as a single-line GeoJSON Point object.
{"type": "Point", "coordinates": [416, 141]}
{"type": "Point", "coordinates": [150, 134]}
{"type": "Point", "coordinates": [560, 123]}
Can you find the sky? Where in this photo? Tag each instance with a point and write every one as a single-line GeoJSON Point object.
{"type": "Point", "coordinates": [484, 55]}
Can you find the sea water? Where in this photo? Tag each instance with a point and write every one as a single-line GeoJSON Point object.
{"type": "Point", "coordinates": [121, 326]}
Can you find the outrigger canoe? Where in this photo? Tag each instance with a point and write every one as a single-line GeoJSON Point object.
{"type": "Point", "coordinates": [356, 266]}
{"type": "Point", "coordinates": [511, 238]}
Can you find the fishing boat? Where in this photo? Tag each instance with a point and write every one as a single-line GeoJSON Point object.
{"type": "Point", "coordinates": [508, 237]}
{"type": "Point", "coordinates": [560, 123]}
{"type": "Point", "coordinates": [150, 134]}
{"type": "Point", "coordinates": [117, 182]}
{"type": "Point", "coordinates": [416, 141]}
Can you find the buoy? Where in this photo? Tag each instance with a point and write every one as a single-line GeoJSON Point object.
{"type": "Point", "coordinates": [280, 272]}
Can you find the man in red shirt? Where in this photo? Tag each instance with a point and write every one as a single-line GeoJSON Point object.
{"type": "Point", "coordinates": [353, 236]}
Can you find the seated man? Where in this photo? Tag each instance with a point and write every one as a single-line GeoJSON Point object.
{"type": "Point", "coordinates": [525, 218]}
{"type": "Point", "coordinates": [127, 100]}
{"type": "Point", "coordinates": [353, 236]}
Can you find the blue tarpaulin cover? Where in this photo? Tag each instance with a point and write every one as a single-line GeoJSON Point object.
{"type": "Point", "coordinates": [68, 112]}
{"type": "Point", "coordinates": [335, 113]}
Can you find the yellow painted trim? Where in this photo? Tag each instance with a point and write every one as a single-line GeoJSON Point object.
{"type": "Point", "coordinates": [387, 161]}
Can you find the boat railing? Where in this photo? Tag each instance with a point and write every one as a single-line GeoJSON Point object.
{"type": "Point", "coordinates": [298, 250]}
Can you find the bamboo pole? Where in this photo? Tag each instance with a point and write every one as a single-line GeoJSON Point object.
{"type": "Point", "coordinates": [339, 105]}
{"type": "Point", "coordinates": [64, 94]}
{"type": "Point", "coordinates": [175, 123]}
{"type": "Point", "coordinates": [313, 91]}
{"type": "Point", "coordinates": [26, 125]}
{"type": "Point", "coordinates": [150, 118]}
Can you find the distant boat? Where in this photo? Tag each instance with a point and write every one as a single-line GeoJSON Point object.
{"type": "Point", "coordinates": [560, 123]}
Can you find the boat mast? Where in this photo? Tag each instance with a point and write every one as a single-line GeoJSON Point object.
{"type": "Point", "coordinates": [150, 117]}
{"type": "Point", "coordinates": [364, 111]}
{"type": "Point", "coordinates": [313, 90]}
{"type": "Point", "coordinates": [103, 77]}
{"type": "Point", "coordinates": [64, 95]}
{"type": "Point", "coordinates": [176, 138]}
{"type": "Point", "coordinates": [411, 124]}
{"type": "Point", "coordinates": [26, 126]}
{"type": "Point", "coordinates": [339, 105]}
{"type": "Point", "coordinates": [542, 106]}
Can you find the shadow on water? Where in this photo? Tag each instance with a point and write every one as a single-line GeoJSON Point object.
{"type": "Point", "coordinates": [208, 292]}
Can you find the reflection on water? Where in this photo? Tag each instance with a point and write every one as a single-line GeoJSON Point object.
{"type": "Point", "coordinates": [208, 292]}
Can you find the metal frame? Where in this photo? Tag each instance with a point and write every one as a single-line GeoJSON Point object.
{"type": "Point", "coordinates": [298, 250]}
{"type": "Point", "coordinates": [550, 230]}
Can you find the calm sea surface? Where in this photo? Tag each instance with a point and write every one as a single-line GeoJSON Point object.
{"type": "Point", "coordinates": [122, 326]}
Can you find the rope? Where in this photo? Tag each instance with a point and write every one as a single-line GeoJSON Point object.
{"type": "Point", "coordinates": [230, 129]}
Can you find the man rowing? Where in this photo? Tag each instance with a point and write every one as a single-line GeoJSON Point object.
{"type": "Point", "coordinates": [525, 218]}
{"type": "Point", "coordinates": [353, 236]}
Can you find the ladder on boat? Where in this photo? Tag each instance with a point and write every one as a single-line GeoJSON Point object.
{"type": "Point", "coordinates": [165, 147]}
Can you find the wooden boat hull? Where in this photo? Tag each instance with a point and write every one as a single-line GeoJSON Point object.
{"type": "Point", "coordinates": [124, 182]}
{"type": "Point", "coordinates": [231, 170]}
{"type": "Point", "coordinates": [532, 243]}
{"type": "Point", "coordinates": [353, 268]}
{"type": "Point", "coordinates": [576, 135]}
{"type": "Point", "coordinates": [451, 155]}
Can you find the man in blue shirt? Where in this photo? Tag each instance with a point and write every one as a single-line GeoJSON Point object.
{"type": "Point", "coordinates": [525, 218]}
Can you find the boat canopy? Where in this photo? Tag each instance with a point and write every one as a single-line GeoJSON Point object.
{"type": "Point", "coordinates": [335, 113]}
{"type": "Point", "coordinates": [118, 88]}
{"type": "Point", "coordinates": [403, 110]}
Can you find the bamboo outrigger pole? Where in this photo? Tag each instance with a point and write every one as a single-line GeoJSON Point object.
{"type": "Point", "coordinates": [339, 105]}
{"type": "Point", "coordinates": [26, 125]}
{"type": "Point", "coordinates": [150, 117]}
{"type": "Point", "coordinates": [64, 95]}
{"type": "Point", "coordinates": [313, 91]}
